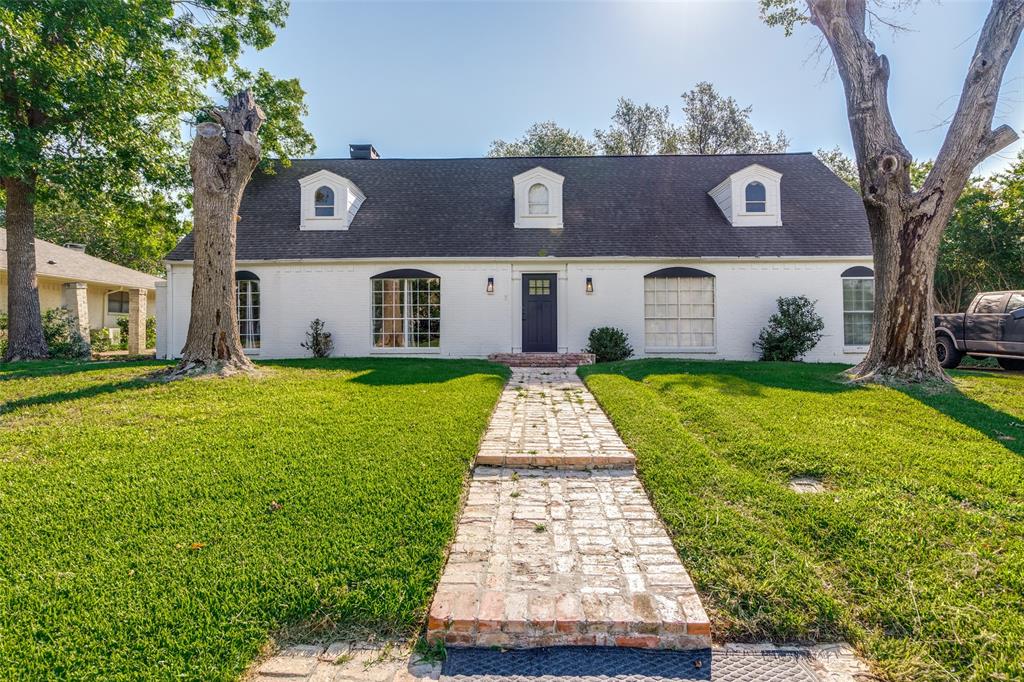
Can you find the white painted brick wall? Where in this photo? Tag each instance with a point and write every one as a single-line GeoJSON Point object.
{"type": "Point", "coordinates": [475, 323]}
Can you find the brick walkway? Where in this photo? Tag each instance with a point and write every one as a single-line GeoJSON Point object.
{"type": "Point", "coordinates": [546, 556]}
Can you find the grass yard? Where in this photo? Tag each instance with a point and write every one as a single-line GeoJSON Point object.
{"type": "Point", "coordinates": [159, 531]}
{"type": "Point", "coordinates": [916, 550]}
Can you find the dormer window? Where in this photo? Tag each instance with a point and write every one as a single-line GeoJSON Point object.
{"type": "Point", "coordinates": [538, 199]}
{"type": "Point", "coordinates": [751, 197]}
{"type": "Point", "coordinates": [324, 202]}
{"type": "Point", "coordinates": [329, 201]}
{"type": "Point", "coordinates": [539, 203]}
{"type": "Point", "coordinates": [756, 197]}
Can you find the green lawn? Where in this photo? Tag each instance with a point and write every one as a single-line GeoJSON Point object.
{"type": "Point", "coordinates": [159, 531]}
{"type": "Point", "coordinates": [915, 552]}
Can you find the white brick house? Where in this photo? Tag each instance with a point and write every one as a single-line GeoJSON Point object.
{"type": "Point", "coordinates": [468, 257]}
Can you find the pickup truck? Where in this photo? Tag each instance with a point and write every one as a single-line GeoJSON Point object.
{"type": "Point", "coordinates": [993, 326]}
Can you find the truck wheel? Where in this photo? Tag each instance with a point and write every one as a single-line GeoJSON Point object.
{"type": "Point", "coordinates": [1011, 364]}
{"type": "Point", "coordinates": [949, 356]}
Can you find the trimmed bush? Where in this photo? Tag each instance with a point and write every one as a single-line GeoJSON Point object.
{"type": "Point", "coordinates": [318, 342]}
{"type": "Point", "coordinates": [100, 341]}
{"type": "Point", "coordinates": [608, 344]}
{"type": "Point", "coordinates": [3, 335]}
{"type": "Point", "coordinates": [63, 339]}
{"type": "Point", "coordinates": [122, 324]}
{"type": "Point", "coordinates": [792, 331]}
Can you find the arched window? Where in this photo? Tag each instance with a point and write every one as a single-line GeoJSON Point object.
{"type": "Point", "coordinates": [858, 305]}
{"type": "Point", "coordinates": [324, 202]}
{"type": "Point", "coordinates": [247, 295]}
{"type": "Point", "coordinates": [539, 200]}
{"type": "Point", "coordinates": [406, 309]}
{"type": "Point", "coordinates": [756, 198]}
{"type": "Point", "coordinates": [679, 310]}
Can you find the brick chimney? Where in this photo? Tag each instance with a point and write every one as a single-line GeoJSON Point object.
{"type": "Point", "coordinates": [362, 151]}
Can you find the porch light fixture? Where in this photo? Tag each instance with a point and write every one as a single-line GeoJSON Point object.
{"type": "Point", "coordinates": [590, 285]}
{"type": "Point", "coordinates": [490, 285]}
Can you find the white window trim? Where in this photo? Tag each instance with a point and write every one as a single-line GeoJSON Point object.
{"type": "Point", "coordinates": [259, 290]}
{"type": "Point", "coordinates": [854, 348]}
{"type": "Point", "coordinates": [552, 220]}
{"type": "Point", "coordinates": [347, 200]}
{"type": "Point", "coordinates": [696, 350]}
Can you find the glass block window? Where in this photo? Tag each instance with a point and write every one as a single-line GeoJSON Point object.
{"type": "Point", "coordinates": [858, 310]}
{"type": "Point", "coordinates": [117, 302]}
{"type": "Point", "coordinates": [539, 287]}
{"type": "Point", "coordinates": [679, 312]}
{"type": "Point", "coordinates": [407, 313]}
{"type": "Point", "coordinates": [247, 294]}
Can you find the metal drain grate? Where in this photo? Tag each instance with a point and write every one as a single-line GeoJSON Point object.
{"type": "Point", "coordinates": [606, 664]}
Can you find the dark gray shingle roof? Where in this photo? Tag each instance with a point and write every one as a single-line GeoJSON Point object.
{"type": "Point", "coordinates": [655, 206]}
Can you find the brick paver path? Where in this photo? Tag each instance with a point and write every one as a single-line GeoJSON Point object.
{"type": "Point", "coordinates": [546, 417]}
{"type": "Point", "coordinates": [545, 556]}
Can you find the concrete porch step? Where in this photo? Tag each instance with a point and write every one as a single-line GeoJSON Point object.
{"type": "Point", "coordinates": [551, 558]}
{"type": "Point", "coordinates": [542, 359]}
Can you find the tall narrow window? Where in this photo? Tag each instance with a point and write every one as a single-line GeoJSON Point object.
{"type": "Point", "coordinates": [679, 310]}
{"type": "Point", "coordinates": [406, 311]}
{"type": "Point", "coordinates": [247, 295]}
{"type": "Point", "coordinates": [324, 202]}
{"type": "Point", "coordinates": [858, 306]}
{"type": "Point", "coordinates": [756, 198]}
{"type": "Point", "coordinates": [539, 199]}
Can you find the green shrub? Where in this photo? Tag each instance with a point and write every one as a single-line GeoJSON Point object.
{"type": "Point", "coordinates": [122, 324]}
{"type": "Point", "coordinates": [792, 331]}
{"type": "Point", "coordinates": [63, 339]}
{"type": "Point", "coordinates": [608, 344]}
{"type": "Point", "coordinates": [100, 341]}
{"type": "Point", "coordinates": [318, 342]}
{"type": "Point", "coordinates": [3, 335]}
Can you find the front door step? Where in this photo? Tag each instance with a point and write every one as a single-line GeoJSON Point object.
{"type": "Point", "coordinates": [546, 558]}
{"type": "Point", "coordinates": [542, 359]}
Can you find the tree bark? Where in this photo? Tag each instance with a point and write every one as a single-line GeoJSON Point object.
{"type": "Point", "coordinates": [224, 155]}
{"type": "Point", "coordinates": [25, 339]}
{"type": "Point", "coordinates": [906, 226]}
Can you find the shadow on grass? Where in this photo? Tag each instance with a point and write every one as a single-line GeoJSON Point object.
{"type": "Point", "coordinates": [9, 406]}
{"type": "Point", "coordinates": [10, 371]}
{"type": "Point", "coordinates": [398, 371]}
{"type": "Point", "coordinates": [749, 379]}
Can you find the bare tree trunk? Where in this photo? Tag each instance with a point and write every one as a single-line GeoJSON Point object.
{"type": "Point", "coordinates": [906, 226]}
{"type": "Point", "coordinates": [25, 339]}
{"type": "Point", "coordinates": [224, 155]}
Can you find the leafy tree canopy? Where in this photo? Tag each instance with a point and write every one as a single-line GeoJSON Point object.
{"type": "Point", "coordinates": [718, 125]}
{"type": "Point", "coordinates": [546, 138]}
{"type": "Point", "coordinates": [637, 130]}
{"type": "Point", "coordinates": [840, 164]}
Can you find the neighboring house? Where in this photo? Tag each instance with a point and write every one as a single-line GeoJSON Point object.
{"type": "Point", "coordinates": [97, 292]}
{"type": "Point", "coordinates": [468, 257]}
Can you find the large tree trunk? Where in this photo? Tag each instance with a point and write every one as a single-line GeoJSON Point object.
{"type": "Point", "coordinates": [906, 226]}
{"type": "Point", "coordinates": [25, 339]}
{"type": "Point", "coordinates": [224, 155]}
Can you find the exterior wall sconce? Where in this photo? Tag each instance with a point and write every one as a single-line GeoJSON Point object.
{"type": "Point", "coordinates": [490, 285]}
{"type": "Point", "coordinates": [590, 285]}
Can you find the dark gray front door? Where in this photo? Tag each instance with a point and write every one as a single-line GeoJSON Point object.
{"type": "Point", "coordinates": [540, 314]}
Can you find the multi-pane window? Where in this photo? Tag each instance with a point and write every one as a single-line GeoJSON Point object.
{"type": "Point", "coordinates": [679, 312]}
{"type": "Point", "coordinates": [539, 287]}
{"type": "Point", "coordinates": [247, 295]}
{"type": "Point", "coordinates": [407, 312]}
{"type": "Point", "coordinates": [323, 205]}
{"type": "Point", "coordinates": [117, 302]}
{"type": "Point", "coordinates": [756, 198]}
{"type": "Point", "coordinates": [858, 310]}
{"type": "Point", "coordinates": [539, 200]}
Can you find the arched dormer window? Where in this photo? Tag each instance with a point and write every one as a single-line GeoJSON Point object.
{"type": "Point", "coordinates": [539, 200]}
{"type": "Point", "coordinates": [247, 296]}
{"type": "Point", "coordinates": [756, 198]}
{"type": "Point", "coordinates": [324, 202]}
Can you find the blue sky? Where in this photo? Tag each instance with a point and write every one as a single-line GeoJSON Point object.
{"type": "Point", "coordinates": [439, 79]}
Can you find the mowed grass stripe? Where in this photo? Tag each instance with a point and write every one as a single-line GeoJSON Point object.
{"type": "Point", "coordinates": [139, 538]}
{"type": "Point", "coordinates": [914, 551]}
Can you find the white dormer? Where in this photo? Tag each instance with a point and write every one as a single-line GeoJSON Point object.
{"type": "Point", "coordinates": [751, 197]}
{"type": "Point", "coordinates": [329, 201]}
{"type": "Point", "coordinates": [538, 199]}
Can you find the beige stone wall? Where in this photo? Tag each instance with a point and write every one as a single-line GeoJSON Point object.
{"type": "Point", "coordinates": [51, 296]}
